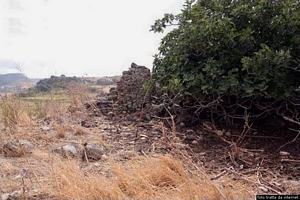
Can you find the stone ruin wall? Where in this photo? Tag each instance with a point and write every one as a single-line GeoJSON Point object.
{"type": "Point", "coordinates": [127, 97]}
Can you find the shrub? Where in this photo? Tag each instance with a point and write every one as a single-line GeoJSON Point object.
{"type": "Point", "coordinates": [237, 52]}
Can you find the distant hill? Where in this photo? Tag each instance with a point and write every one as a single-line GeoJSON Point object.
{"type": "Point", "coordinates": [13, 78]}
{"type": "Point", "coordinates": [15, 82]}
{"type": "Point", "coordinates": [62, 81]}
{"type": "Point", "coordinates": [112, 80]}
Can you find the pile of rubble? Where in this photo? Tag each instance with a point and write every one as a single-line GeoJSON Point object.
{"type": "Point", "coordinates": [128, 97]}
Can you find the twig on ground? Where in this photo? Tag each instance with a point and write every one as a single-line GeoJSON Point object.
{"type": "Point", "coordinates": [219, 175]}
{"type": "Point", "coordinates": [289, 141]}
{"type": "Point", "coordinates": [254, 182]}
{"type": "Point", "coordinates": [289, 160]}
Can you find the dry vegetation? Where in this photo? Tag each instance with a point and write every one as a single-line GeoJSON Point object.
{"type": "Point", "coordinates": [37, 173]}
{"type": "Point", "coordinates": [159, 177]}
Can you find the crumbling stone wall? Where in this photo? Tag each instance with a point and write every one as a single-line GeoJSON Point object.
{"type": "Point", "coordinates": [128, 96]}
{"type": "Point", "coordinates": [129, 88]}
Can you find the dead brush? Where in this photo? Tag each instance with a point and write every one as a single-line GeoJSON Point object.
{"type": "Point", "coordinates": [40, 109]}
{"type": "Point", "coordinates": [14, 150]}
{"type": "Point", "coordinates": [60, 131]}
{"type": "Point", "coordinates": [159, 177]}
{"type": "Point", "coordinates": [57, 109]}
{"type": "Point", "coordinates": [79, 94]}
{"type": "Point", "coordinates": [12, 112]}
{"type": "Point", "coordinates": [79, 131]}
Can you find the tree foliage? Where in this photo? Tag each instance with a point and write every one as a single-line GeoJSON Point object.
{"type": "Point", "coordinates": [239, 48]}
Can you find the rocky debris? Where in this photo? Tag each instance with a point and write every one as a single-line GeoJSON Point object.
{"type": "Point", "coordinates": [89, 123]}
{"type": "Point", "coordinates": [128, 96]}
{"type": "Point", "coordinates": [263, 189]}
{"type": "Point", "coordinates": [71, 150]}
{"type": "Point", "coordinates": [292, 187]}
{"type": "Point", "coordinates": [181, 125]}
{"type": "Point", "coordinates": [112, 95]}
{"type": "Point", "coordinates": [29, 195]}
{"type": "Point", "coordinates": [16, 147]}
{"type": "Point", "coordinates": [227, 134]}
{"type": "Point", "coordinates": [12, 196]}
{"type": "Point", "coordinates": [94, 150]}
{"type": "Point", "coordinates": [45, 128]}
{"type": "Point", "coordinates": [156, 109]}
{"type": "Point", "coordinates": [129, 88]}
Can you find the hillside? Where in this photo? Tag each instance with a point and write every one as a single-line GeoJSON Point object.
{"type": "Point", "coordinates": [13, 78]}
{"type": "Point", "coordinates": [15, 82]}
{"type": "Point", "coordinates": [62, 82]}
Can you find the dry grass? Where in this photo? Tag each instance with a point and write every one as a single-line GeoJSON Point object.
{"type": "Point", "coordinates": [16, 150]}
{"type": "Point", "coordinates": [160, 177]}
{"type": "Point", "coordinates": [16, 112]}
{"type": "Point", "coordinates": [155, 177]}
{"type": "Point", "coordinates": [60, 131]}
{"type": "Point", "coordinates": [12, 112]}
{"type": "Point", "coordinates": [79, 131]}
{"type": "Point", "coordinates": [79, 94]}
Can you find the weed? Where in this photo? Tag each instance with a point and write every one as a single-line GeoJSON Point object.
{"type": "Point", "coordinates": [79, 94]}
{"type": "Point", "coordinates": [79, 131]}
{"type": "Point", "coordinates": [11, 111]}
{"type": "Point", "coordinates": [60, 131]}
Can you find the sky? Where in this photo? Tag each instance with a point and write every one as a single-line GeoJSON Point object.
{"type": "Point", "coordinates": [92, 38]}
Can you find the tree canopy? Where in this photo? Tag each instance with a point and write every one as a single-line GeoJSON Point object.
{"type": "Point", "coordinates": [239, 48]}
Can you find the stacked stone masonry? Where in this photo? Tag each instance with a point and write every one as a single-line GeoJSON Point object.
{"type": "Point", "coordinates": [128, 96]}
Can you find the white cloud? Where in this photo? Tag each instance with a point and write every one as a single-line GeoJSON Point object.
{"type": "Point", "coordinates": [78, 37]}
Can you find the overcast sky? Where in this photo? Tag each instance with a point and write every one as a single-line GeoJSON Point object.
{"type": "Point", "coordinates": [79, 37]}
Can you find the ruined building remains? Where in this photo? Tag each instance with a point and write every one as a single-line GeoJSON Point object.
{"type": "Point", "coordinates": [128, 96]}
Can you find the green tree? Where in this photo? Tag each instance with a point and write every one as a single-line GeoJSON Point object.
{"type": "Point", "coordinates": [233, 48]}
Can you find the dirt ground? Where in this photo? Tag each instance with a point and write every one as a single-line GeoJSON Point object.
{"type": "Point", "coordinates": [264, 161]}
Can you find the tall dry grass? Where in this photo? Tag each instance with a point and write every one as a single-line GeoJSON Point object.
{"type": "Point", "coordinates": [160, 177]}
{"type": "Point", "coordinates": [78, 94]}
{"type": "Point", "coordinates": [13, 113]}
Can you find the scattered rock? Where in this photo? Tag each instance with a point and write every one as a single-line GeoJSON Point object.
{"type": "Point", "coordinates": [152, 122]}
{"type": "Point", "coordinates": [228, 134]}
{"type": "Point", "coordinates": [291, 187]}
{"type": "Point", "coordinates": [263, 189]}
{"type": "Point", "coordinates": [70, 150]}
{"type": "Point", "coordinates": [16, 148]}
{"type": "Point", "coordinates": [89, 124]}
{"type": "Point", "coordinates": [104, 157]}
{"type": "Point", "coordinates": [190, 131]}
{"type": "Point", "coordinates": [190, 137]}
{"type": "Point", "coordinates": [15, 195]}
{"type": "Point", "coordinates": [45, 128]}
{"type": "Point", "coordinates": [111, 114]}
{"type": "Point", "coordinates": [219, 133]}
{"type": "Point", "coordinates": [30, 195]}
{"type": "Point", "coordinates": [156, 109]}
{"type": "Point", "coordinates": [194, 142]}
{"type": "Point", "coordinates": [182, 125]}
{"type": "Point", "coordinates": [94, 150]}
